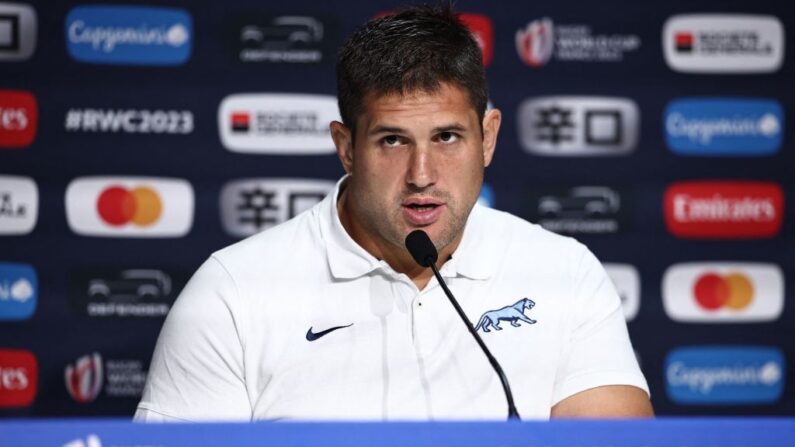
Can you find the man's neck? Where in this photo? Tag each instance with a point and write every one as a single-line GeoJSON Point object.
{"type": "Point", "coordinates": [397, 257]}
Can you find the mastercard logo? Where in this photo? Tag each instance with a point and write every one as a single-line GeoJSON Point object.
{"type": "Point", "coordinates": [140, 206]}
{"type": "Point", "coordinates": [733, 291]}
{"type": "Point", "coordinates": [130, 206]}
{"type": "Point", "coordinates": [723, 292]}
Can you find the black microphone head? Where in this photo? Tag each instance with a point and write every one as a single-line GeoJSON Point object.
{"type": "Point", "coordinates": [421, 248]}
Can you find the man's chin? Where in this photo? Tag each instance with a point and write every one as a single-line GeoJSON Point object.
{"type": "Point", "coordinates": [434, 231]}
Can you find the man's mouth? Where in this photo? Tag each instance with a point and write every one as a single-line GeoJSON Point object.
{"type": "Point", "coordinates": [422, 207]}
{"type": "Point", "coordinates": [422, 211]}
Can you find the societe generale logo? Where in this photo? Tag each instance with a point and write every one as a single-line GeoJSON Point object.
{"type": "Point", "coordinates": [724, 209]}
{"type": "Point", "coordinates": [723, 292]}
{"type": "Point", "coordinates": [19, 376]}
{"type": "Point", "coordinates": [277, 123]}
{"type": "Point", "coordinates": [723, 43]}
{"type": "Point", "coordinates": [129, 206]}
{"type": "Point", "coordinates": [84, 378]}
{"type": "Point", "coordinates": [18, 118]}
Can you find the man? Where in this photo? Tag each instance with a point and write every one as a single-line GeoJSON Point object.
{"type": "Point", "coordinates": [328, 317]}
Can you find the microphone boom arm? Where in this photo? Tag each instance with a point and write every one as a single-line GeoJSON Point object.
{"type": "Point", "coordinates": [512, 413]}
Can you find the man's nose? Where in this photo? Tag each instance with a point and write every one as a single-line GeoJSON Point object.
{"type": "Point", "coordinates": [422, 170]}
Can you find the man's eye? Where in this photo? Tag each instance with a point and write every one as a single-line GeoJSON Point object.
{"type": "Point", "coordinates": [448, 137]}
{"type": "Point", "coordinates": [391, 140]}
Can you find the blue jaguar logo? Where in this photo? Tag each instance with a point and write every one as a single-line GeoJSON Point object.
{"type": "Point", "coordinates": [512, 313]}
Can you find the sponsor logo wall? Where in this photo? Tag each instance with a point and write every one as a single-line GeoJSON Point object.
{"type": "Point", "coordinates": [18, 118]}
{"type": "Point", "coordinates": [18, 291]}
{"type": "Point", "coordinates": [580, 210]}
{"type": "Point", "coordinates": [290, 39]}
{"type": "Point", "coordinates": [252, 205]}
{"type": "Point", "coordinates": [18, 31]}
{"type": "Point", "coordinates": [724, 126]}
{"type": "Point", "coordinates": [724, 43]}
{"type": "Point", "coordinates": [277, 123]}
{"type": "Point", "coordinates": [129, 121]}
{"type": "Point", "coordinates": [129, 206]}
{"type": "Point", "coordinates": [626, 280]}
{"type": "Point", "coordinates": [724, 210]}
{"type": "Point", "coordinates": [724, 375]}
{"type": "Point", "coordinates": [561, 125]}
{"type": "Point", "coordinates": [723, 292]}
{"type": "Point", "coordinates": [543, 40]}
{"type": "Point", "coordinates": [19, 205]}
{"type": "Point", "coordinates": [123, 292]}
{"type": "Point", "coordinates": [136, 139]}
{"type": "Point", "coordinates": [19, 376]}
{"type": "Point", "coordinates": [91, 378]}
{"type": "Point", "coordinates": [129, 35]}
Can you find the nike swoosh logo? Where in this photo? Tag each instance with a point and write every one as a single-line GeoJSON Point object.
{"type": "Point", "coordinates": [312, 336]}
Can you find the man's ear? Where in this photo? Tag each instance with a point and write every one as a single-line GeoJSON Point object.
{"type": "Point", "coordinates": [491, 127]}
{"type": "Point", "coordinates": [343, 140]}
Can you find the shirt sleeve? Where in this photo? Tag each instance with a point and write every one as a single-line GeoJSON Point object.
{"type": "Point", "coordinates": [597, 351]}
{"type": "Point", "coordinates": [197, 370]}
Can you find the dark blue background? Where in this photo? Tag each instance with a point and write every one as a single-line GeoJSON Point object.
{"type": "Point", "coordinates": [57, 336]}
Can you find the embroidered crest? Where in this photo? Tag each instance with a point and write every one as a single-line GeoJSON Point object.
{"type": "Point", "coordinates": [512, 313]}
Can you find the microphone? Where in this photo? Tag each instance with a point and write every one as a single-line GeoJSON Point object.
{"type": "Point", "coordinates": [424, 253]}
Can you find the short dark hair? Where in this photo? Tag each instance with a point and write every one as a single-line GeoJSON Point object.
{"type": "Point", "coordinates": [413, 50]}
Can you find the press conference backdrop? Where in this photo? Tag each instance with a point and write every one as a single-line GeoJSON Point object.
{"type": "Point", "coordinates": [138, 137]}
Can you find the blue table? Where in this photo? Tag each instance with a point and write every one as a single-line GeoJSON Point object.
{"type": "Point", "coordinates": [695, 432]}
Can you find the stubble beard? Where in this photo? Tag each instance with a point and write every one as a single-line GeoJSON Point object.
{"type": "Point", "coordinates": [393, 229]}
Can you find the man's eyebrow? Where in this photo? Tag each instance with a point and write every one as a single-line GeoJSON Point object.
{"type": "Point", "coordinates": [386, 129]}
{"type": "Point", "coordinates": [453, 127]}
{"type": "Point", "coordinates": [450, 128]}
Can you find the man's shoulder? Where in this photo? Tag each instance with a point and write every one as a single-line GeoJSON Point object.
{"type": "Point", "coordinates": [273, 246]}
{"type": "Point", "coordinates": [519, 234]}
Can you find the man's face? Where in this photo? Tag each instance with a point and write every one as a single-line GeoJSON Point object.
{"type": "Point", "coordinates": [417, 163]}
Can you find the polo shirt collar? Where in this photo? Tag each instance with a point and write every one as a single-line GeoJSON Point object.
{"type": "Point", "coordinates": [346, 258]}
{"type": "Point", "coordinates": [475, 257]}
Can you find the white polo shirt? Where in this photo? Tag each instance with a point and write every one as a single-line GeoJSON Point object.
{"type": "Point", "coordinates": [249, 339]}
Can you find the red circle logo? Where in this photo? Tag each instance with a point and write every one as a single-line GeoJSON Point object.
{"type": "Point", "coordinates": [734, 291]}
{"type": "Point", "coordinates": [140, 206]}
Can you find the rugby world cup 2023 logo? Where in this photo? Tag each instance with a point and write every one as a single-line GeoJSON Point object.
{"type": "Point", "coordinates": [84, 378]}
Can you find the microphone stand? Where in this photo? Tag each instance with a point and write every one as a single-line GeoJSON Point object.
{"type": "Point", "coordinates": [512, 413]}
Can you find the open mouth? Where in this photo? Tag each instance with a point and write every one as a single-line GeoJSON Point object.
{"type": "Point", "coordinates": [422, 208]}
{"type": "Point", "coordinates": [421, 212]}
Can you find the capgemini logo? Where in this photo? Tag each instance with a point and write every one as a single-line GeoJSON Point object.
{"type": "Point", "coordinates": [177, 35]}
{"type": "Point", "coordinates": [133, 35]}
{"type": "Point", "coordinates": [84, 378]}
{"type": "Point", "coordinates": [20, 290]}
{"type": "Point", "coordinates": [725, 375]}
{"type": "Point", "coordinates": [724, 126]}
